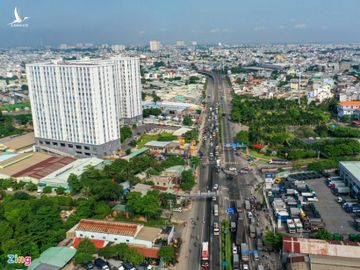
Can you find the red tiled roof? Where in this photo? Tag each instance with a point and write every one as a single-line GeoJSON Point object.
{"type": "Point", "coordinates": [103, 226]}
{"type": "Point", "coordinates": [97, 243]}
{"type": "Point", "coordinates": [160, 188]}
{"type": "Point", "coordinates": [45, 167]}
{"type": "Point", "coordinates": [147, 252]}
{"type": "Point", "coordinates": [350, 103]}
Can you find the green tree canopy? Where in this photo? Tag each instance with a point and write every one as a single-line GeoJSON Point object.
{"type": "Point", "coordinates": [85, 252]}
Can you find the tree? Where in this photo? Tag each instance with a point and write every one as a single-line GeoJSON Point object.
{"type": "Point", "coordinates": [74, 184]}
{"type": "Point", "coordinates": [166, 136]}
{"type": "Point", "coordinates": [31, 187]}
{"type": "Point", "coordinates": [60, 190]}
{"type": "Point", "coordinates": [47, 189]}
{"type": "Point", "coordinates": [24, 87]}
{"type": "Point", "coordinates": [187, 121]}
{"type": "Point", "coordinates": [191, 135]}
{"type": "Point", "coordinates": [6, 231]}
{"type": "Point", "coordinates": [195, 161]}
{"type": "Point", "coordinates": [167, 253]}
{"type": "Point", "coordinates": [273, 239]}
{"type": "Point", "coordinates": [85, 252]}
{"type": "Point", "coordinates": [242, 137]}
{"type": "Point", "coordinates": [125, 132]}
{"type": "Point", "coordinates": [128, 151]}
{"type": "Point", "coordinates": [155, 97]}
{"type": "Point", "coordinates": [187, 180]}
{"type": "Point", "coordinates": [323, 234]}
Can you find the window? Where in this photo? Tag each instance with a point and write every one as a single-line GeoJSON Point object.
{"type": "Point", "coordinates": [78, 152]}
{"type": "Point", "coordinates": [78, 146]}
{"type": "Point", "coordinates": [41, 142]}
{"type": "Point", "coordinates": [62, 144]}
{"type": "Point", "coordinates": [70, 146]}
{"type": "Point", "coordinates": [47, 142]}
{"type": "Point", "coordinates": [127, 241]}
{"type": "Point", "coordinates": [92, 236]}
{"type": "Point", "coordinates": [81, 234]}
{"type": "Point", "coordinates": [87, 147]}
{"type": "Point", "coordinates": [55, 143]}
{"type": "Point", "coordinates": [104, 237]}
{"type": "Point", "coordinates": [115, 239]}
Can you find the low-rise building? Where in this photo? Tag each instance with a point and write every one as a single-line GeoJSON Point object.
{"type": "Point", "coordinates": [53, 258]}
{"type": "Point", "coordinates": [60, 177]}
{"type": "Point", "coordinates": [350, 172]}
{"type": "Point", "coordinates": [348, 107]}
{"type": "Point", "coordinates": [18, 143]}
{"type": "Point", "coordinates": [118, 232]}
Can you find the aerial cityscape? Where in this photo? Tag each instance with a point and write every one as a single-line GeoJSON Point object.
{"type": "Point", "coordinates": [179, 135]}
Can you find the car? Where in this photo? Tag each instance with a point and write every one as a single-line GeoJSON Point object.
{"type": "Point", "coordinates": [179, 210]}
{"type": "Point", "coordinates": [101, 264]}
{"type": "Point", "coordinates": [89, 266]}
{"type": "Point", "coordinates": [245, 266]}
{"type": "Point", "coordinates": [214, 198]}
{"type": "Point", "coordinates": [250, 215]}
{"type": "Point", "coordinates": [232, 169]}
{"type": "Point", "coordinates": [216, 187]}
{"type": "Point", "coordinates": [234, 249]}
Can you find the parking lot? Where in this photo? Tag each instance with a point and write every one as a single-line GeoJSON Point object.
{"type": "Point", "coordinates": [334, 216]}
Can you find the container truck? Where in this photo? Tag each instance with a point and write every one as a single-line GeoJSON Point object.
{"type": "Point", "coordinates": [252, 231]}
{"type": "Point", "coordinates": [245, 252]}
{"type": "Point", "coordinates": [342, 191]}
{"type": "Point", "coordinates": [205, 255]}
{"type": "Point", "coordinates": [291, 226]}
{"type": "Point", "coordinates": [355, 208]}
{"type": "Point", "coordinates": [240, 236]}
{"type": "Point", "coordinates": [236, 261]}
{"type": "Point", "coordinates": [298, 225]}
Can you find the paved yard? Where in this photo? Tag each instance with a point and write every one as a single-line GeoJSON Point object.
{"type": "Point", "coordinates": [334, 216]}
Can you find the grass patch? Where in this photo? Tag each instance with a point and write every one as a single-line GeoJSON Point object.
{"type": "Point", "coordinates": [258, 155]}
{"type": "Point", "coordinates": [226, 249]}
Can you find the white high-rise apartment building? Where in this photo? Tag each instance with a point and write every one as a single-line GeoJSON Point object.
{"type": "Point", "coordinates": [155, 45]}
{"type": "Point", "coordinates": [78, 106]}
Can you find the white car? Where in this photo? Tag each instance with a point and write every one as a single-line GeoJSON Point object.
{"type": "Point", "coordinates": [250, 215]}
{"type": "Point", "coordinates": [216, 187]}
{"type": "Point", "coordinates": [245, 266]}
{"type": "Point", "coordinates": [234, 249]}
{"type": "Point", "coordinates": [232, 169]}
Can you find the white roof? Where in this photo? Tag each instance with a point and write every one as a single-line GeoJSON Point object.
{"type": "Point", "coordinates": [181, 131]}
{"type": "Point", "coordinates": [77, 167]}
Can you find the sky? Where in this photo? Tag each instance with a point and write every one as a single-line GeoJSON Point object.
{"type": "Point", "coordinates": [135, 22]}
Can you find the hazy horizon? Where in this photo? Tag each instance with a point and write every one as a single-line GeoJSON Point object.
{"type": "Point", "coordinates": [205, 21]}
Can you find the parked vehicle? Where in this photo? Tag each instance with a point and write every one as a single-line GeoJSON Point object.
{"type": "Point", "coordinates": [128, 266]}
{"type": "Point", "coordinates": [101, 264]}
{"type": "Point", "coordinates": [298, 225]}
{"type": "Point", "coordinates": [256, 255]}
{"type": "Point", "coordinates": [291, 226]}
{"type": "Point", "coordinates": [250, 215]}
{"type": "Point", "coordinates": [355, 208]}
{"type": "Point", "coordinates": [342, 190]}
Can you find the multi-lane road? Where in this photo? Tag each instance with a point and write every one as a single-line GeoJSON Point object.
{"type": "Point", "coordinates": [219, 94]}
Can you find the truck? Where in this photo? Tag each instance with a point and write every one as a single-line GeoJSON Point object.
{"type": "Point", "coordinates": [342, 191]}
{"type": "Point", "coordinates": [355, 208]}
{"type": "Point", "coordinates": [238, 206]}
{"type": "Point", "coordinates": [245, 252]}
{"type": "Point", "coordinates": [240, 236]}
{"type": "Point", "coordinates": [216, 210]}
{"type": "Point", "coordinates": [252, 231]}
{"type": "Point", "coordinates": [333, 183]}
{"type": "Point", "coordinates": [205, 255]}
{"type": "Point", "coordinates": [236, 261]}
{"type": "Point", "coordinates": [337, 185]}
{"type": "Point", "coordinates": [291, 226]}
{"type": "Point", "coordinates": [247, 205]}
{"type": "Point", "coordinates": [298, 225]}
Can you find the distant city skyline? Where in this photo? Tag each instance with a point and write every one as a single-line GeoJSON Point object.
{"type": "Point", "coordinates": [206, 21]}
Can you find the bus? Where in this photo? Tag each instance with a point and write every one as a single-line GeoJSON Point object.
{"type": "Point", "coordinates": [216, 210]}
{"type": "Point", "coordinates": [205, 255]}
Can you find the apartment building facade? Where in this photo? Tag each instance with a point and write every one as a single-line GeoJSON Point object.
{"type": "Point", "coordinates": [78, 106]}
